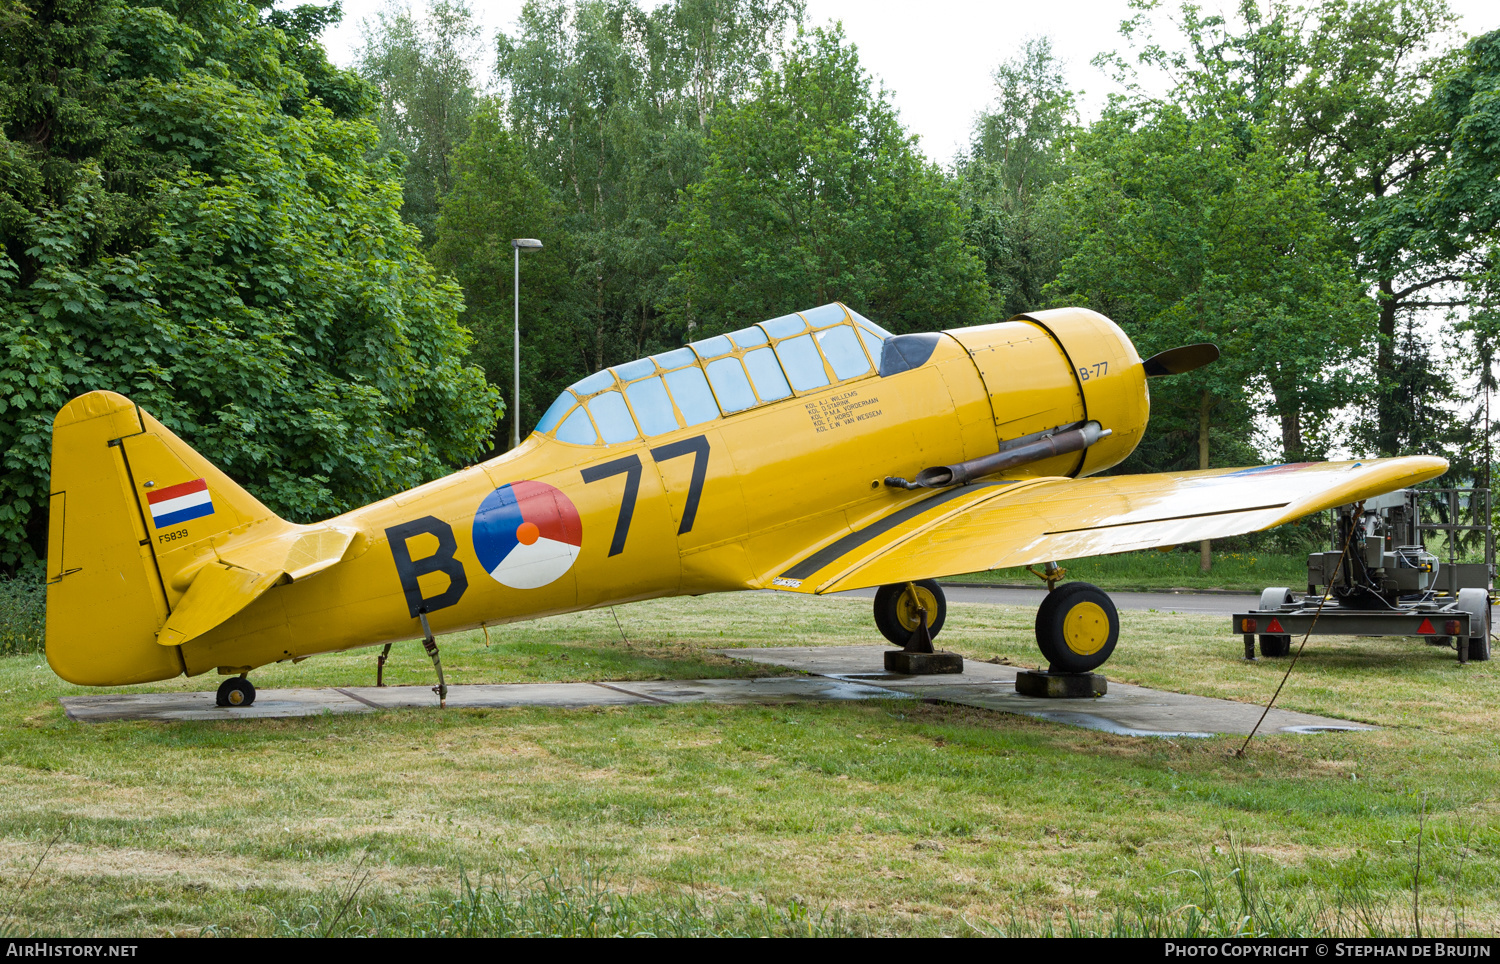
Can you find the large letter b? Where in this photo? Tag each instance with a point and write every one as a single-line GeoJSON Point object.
{"type": "Point", "coordinates": [410, 570]}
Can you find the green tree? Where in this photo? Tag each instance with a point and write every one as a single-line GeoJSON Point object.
{"type": "Point", "coordinates": [184, 218]}
{"type": "Point", "coordinates": [612, 106]}
{"type": "Point", "coordinates": [1462, 206]}
{"type": "Point", "coordinates": [1183, 236]}
{"type": "Point", "coordinates": [1017, 151]}
{"type": "Point", "coordinates": [497, 198]}
{"type": "Point", "coordinates": [814, 193]}
{"type": "Point", "coordinates": [1362, 116]}
{"type": "Point", "coordinates": [1344, 90]}
{"type": "Point", "coordinates": [421, 68]}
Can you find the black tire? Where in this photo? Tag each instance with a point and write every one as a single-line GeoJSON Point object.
{"type": "Point", "coordinates": [236, 692]}
{"type": "Point", "coordinates": [1476, 602]}
{"type": "Point", "coordinates": [897, 622]}
{"type": "Point", "coordinates": [1275, 646]}
{"type": "Point", "coordinates": [1085, 642]}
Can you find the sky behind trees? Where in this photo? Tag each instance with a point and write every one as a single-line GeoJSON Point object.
{"type": "Point", "coordinates": [936, 56]}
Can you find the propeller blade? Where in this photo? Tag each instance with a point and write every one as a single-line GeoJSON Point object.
{"type": "Point", "coordinates": [1175, 361]}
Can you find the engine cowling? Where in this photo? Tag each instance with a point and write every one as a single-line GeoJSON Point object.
{"type": "Point", "coordinates": [1057, 370]}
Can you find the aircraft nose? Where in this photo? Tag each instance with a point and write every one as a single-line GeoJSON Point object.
{"type": "Point", "coordinates": [1057, 369]}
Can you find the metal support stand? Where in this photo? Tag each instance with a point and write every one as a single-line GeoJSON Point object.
{"type": "Point", "coordinates": [921, 640]}
{"type": "Point", "coordinates": [380, 665]}
{"type": "Point", "coordinates": [430, 644]}
{"type": "Point", "coordinates": [919, 658]}
{"type": "Point", "coordinates": [1249, 647]}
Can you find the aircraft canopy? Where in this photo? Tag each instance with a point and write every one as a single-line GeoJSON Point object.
{"type": "Point", "coordinates": [716, 377]}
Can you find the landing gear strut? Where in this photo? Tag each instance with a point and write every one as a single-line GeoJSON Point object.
{"type": "Point", "coordinates": [909, 614]}
{"type": "Point", "coordinates": [903, 609]}
{"type": "Point", "coordinates": [430, 645]}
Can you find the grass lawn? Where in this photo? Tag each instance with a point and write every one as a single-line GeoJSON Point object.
{"type": "Point", "coordinates": [868, 818]}
{"type": "Point", "coordinates": [1237, 571]}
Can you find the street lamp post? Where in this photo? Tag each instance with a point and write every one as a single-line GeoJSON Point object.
{"type": "Point", "coordinates": [530, 244]}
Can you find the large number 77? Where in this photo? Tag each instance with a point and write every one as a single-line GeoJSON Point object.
{"type": "Point", "coordinates": [630, 467]}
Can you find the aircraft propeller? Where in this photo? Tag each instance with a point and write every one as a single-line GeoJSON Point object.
{"type": "Point", "coordinates": [1176, 361]}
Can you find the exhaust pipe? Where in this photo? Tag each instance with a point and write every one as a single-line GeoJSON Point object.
{"type": "Point", "coordinates": [1061, 443]}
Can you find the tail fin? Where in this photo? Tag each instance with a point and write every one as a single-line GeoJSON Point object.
{"type": "Point", "coordinates": [151, 546]}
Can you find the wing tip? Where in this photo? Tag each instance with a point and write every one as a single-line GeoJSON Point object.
{"type": "Point", "coordinates": [1381, 476]}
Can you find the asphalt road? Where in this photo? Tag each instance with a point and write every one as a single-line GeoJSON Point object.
{"type": "Point", "coordinates": [1166, 602]}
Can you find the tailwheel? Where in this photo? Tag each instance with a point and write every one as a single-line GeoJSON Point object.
{"type": "Point", "coordinates": [898, 609]}
{"type": "Point", "coordinates": [236, 691]}
{"type": "Point", "coordinates": [1077, 627]}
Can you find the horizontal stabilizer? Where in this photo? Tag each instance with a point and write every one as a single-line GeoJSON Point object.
{"type": "Point", "coordinates": [217, 593]}
{"type": "Point", "coordinates": [298, 551]}
{"type": "Point", "coordinates": [247, 566]}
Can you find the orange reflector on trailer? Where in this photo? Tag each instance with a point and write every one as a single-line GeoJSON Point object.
{"type": "Point", "coordinates": [1275, 626]}
{"type": "Point", "coordinates": [1426, 628]}
{"type": "Point", "coordinates": [1451, 627]}
{"type": "Point", "coordinates": [1247, 625]}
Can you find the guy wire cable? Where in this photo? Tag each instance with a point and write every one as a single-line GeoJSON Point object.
{"type": "Point", "coordinates": [1348, 540]}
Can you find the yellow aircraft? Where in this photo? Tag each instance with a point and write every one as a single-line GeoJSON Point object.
{"type": "Point", "coordinates": [812, 453]}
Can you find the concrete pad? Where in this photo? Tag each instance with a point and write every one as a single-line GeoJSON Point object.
{"type": "Point", "coordinates": [782, 689]}
{"type": "Point", "coordinates": [494, 696]}
{"type": "Point", "coordinates": [1126, 710]}
{"type": "Point", "coordinates": [269, 704]}
{"type": "Point", "coordinates": [866, 664]}
{"type": "Point", "coordinates": [838, 673]}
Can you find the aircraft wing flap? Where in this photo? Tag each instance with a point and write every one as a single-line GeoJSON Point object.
{"type": "Point", "coordinates": [811, 570]}
{"type": "Point", "coordinates": [1058, 518]}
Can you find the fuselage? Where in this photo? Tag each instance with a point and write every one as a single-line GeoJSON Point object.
{"type": "Point", "coordinates": [696, 500]}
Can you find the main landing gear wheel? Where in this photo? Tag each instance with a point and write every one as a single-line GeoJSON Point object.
{"type": "Point", "coordinates": [896, 609]}
{"type": "Point", "coordinates": [1077, 627]}
{"type": "Point", "coordinates": [236, 691]}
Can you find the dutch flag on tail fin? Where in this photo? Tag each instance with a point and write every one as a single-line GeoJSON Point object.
{"type": "Point", "coordinates": [179, 503]}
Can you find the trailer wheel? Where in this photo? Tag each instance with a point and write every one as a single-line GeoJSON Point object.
{"type": "Point", "coordinates": [1476, 602]}
{"type": "Point", "coordinates": [1275, 646]}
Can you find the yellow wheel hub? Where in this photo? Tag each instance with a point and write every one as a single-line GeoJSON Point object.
{"type": "Point", "coordinates": [236, 697]}
{"type": "Point", "coordinates": [907, 605]}
{"type": "Point", "coordinates": [1086, 628]}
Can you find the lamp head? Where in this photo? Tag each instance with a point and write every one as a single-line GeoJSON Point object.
{"type": "Point", "coordinates": [526, 244]}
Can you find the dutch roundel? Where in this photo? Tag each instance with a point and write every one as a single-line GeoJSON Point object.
{"type": "Point", "coordinates": [527, 534]}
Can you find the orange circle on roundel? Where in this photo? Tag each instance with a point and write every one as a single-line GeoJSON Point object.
{"type": "Point", "coordinates": [527, 533]}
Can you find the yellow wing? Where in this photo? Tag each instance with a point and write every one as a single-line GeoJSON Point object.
{"type": "Point", "coordinates": [993, 524]}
